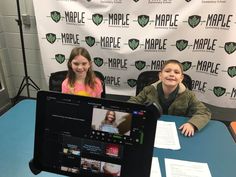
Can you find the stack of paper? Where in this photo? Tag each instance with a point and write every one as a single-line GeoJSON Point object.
{"type": "Point", "coordinates": [166, 136]}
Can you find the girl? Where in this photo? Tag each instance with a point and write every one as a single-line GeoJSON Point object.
{"type": "Point", "coordinates": [174, 98]}
{"type": "Point", "coordinates": [109, 123]}
{"type": "Point", "coordinates": [81, 79]}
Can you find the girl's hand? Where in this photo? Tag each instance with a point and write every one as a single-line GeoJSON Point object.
{"type": "Point", "coordinates": [187, 129]}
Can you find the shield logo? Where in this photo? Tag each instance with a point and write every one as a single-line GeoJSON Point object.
{"type": "Point", "coordinates": [133, 43]}
{"type": "Point", "coordinates": [97, 19]}
{"type": "Point", "coordinates": [60, 58]}
{"type": "Point", "coordinates": [186, 65]}
{"type": "Point", "coordinates": [181, 44]}
{"type": "Point", "coordinates": [230, 47]}
{"type": "Point", "coordinates": [219, 91]}
{"type": "Point", "coordinates": [51, 38]}
{"type": "Point", "coordinates": [98, 61]}
{"type": "Point", "coordinates": [231, 71]}
{"type": "Point", "coordinates": [194, 20]}
{"type": "Point", "coordinates": [143, 20]}
{"type": "Point", "coordinates": [132, 82]}
{"type": "Point", "coordinates": [56, 16]}
{"type": "Point", "coordinates": [140, 64]}
{"type": "Point", "coordinates": [90, 41]}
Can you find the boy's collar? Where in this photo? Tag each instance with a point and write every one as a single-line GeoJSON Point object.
{"type": "Point", "coordinates": [182, 87]}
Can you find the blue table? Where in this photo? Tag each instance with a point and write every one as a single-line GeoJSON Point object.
{"type": "Point", "coordinates": [214, 145]}
{"type": "Point", "coordinates": [17, 140]}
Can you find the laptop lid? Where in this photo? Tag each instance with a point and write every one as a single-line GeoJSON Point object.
{"type": "Point", "coordinates": [91, 137]}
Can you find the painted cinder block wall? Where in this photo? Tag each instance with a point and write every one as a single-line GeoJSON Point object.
{"type": "Point", "coordinates": [11, 50]}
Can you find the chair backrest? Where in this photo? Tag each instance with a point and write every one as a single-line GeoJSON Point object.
{"type": "Point", "coordinates": [148, 77]}
{"type": "Point", "coordinates": [102, 78]}
{"type": "Point", "coordinates": [145, 78]}
{"type": "Point", "coordinates": [56, 79]}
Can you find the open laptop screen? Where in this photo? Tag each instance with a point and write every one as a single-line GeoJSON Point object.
{"type": "Point", "coordinates": [83, 136]}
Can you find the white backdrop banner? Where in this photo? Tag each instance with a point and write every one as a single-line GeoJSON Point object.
{"type": "Point", "coordinates": [127, 37]}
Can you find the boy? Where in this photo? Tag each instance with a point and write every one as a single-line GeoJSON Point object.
{"type": "Point", "coordinates": [173, 98]}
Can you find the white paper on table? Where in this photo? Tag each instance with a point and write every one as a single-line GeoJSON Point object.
{"type": "Point", "coordinates": [166, 136]}
{"type": "Point", "coordinates": [181, 168]}
{"type": "Point", "coordinates": [155, 168]}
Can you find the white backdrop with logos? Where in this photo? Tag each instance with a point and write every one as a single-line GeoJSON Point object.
{"type": "Point", "coordinates": [125, 41]}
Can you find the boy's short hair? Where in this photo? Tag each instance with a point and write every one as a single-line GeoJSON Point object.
{"type": "Point", "coordinates": [174, 62]}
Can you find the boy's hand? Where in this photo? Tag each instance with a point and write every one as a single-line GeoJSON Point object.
{"type": "Point", "coordinates": [187, 129]}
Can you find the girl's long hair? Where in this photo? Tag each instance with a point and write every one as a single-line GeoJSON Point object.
{"type": "Point", "coordinates": [90, 76]}
{"type": "Point", "coordinates": [106, 118]}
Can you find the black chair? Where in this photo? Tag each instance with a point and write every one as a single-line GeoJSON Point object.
{"type": "Point", "coordinates": [56, 79]}
{"type": "Point", "coordinates": [102, 78]}
{"type": "Point", "coordinates": [148, 77]}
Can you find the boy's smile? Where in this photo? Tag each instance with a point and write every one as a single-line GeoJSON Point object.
{"type": "Point", "coordinates": [171, 75]}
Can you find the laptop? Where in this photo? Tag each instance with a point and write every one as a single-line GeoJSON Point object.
{"type": "Point", "coordinates": [73, 136]}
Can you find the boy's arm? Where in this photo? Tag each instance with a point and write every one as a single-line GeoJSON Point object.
{"type": "Point", "coordinates": [141, 98]}
{"type": "Point", "coordinates": [200, 113]}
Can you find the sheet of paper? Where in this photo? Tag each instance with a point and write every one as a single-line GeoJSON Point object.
{"type": "Point", "coordinates": [181, 168]}
{"type": "Point", "coordinates": [155, 168]}
{"type": "Point", "coordinates": [166, 135]}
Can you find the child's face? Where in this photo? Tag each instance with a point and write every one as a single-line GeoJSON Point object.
{"type": "Point", "coordinates": [111, 116]}
{"type": "Point", "coordinates": [80, 66]}
{"type": "Point", "coordinates": [171, 75]}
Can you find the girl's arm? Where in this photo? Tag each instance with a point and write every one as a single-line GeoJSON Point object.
{"type": "Point", "coordinates": [65, 87]}
{"type": "Point", "coordinates": [98, 88]}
